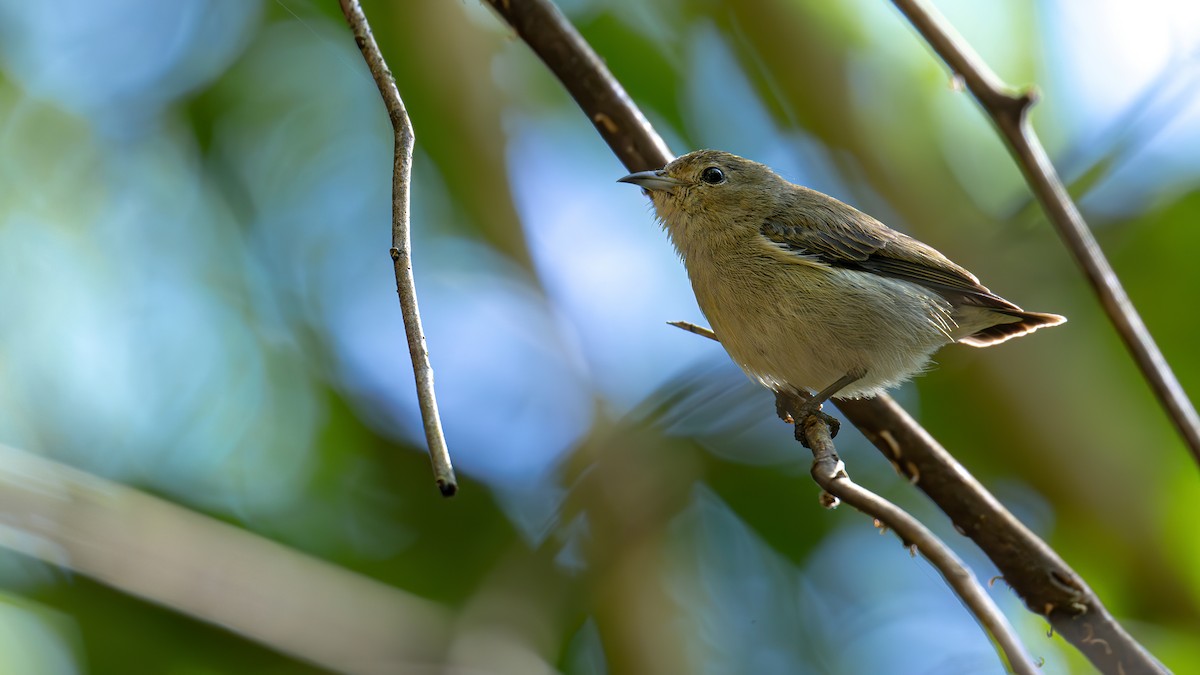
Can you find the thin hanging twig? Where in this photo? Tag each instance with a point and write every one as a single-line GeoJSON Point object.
{"type": "Point", "coordinates": [1009, 112]}
{"type": "Point", "coordinates": [439, 455]}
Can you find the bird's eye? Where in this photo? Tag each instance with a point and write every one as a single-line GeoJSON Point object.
{"type": "Point", "coordinates": [712, 175]}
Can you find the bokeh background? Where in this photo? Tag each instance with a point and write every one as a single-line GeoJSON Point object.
{"type": "Point", "coordinates": [196, 301]}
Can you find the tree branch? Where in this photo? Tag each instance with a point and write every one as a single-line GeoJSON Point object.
{"type": "Point", "coordinates": [401, 251]}
{"type": "Point", "coordinates": [1030, 567]}
{"type": "Point", "coordinates": [1058, 593]}
{"type": "Point", "coordinates": [1041, 578]}
{"type": "Point", "coordinates": [1010, 114]}
{"type": "Point", "coordinates": [564, 51]}
{"type": "Point", "coordinates": [830, 473]}
{"type": "Point", "coordinates": [215, 572]}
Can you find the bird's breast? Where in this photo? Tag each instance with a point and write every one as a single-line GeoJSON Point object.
{"type": "Point", "coordinates": [804, 324]}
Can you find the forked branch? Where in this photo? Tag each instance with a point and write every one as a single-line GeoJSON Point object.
{"type": "Point", "coordinates": [1047, 585]}
{"type": "Point", "coordinates": [1009, 112]}
{"type": "Point", "coordinates": [829, 472]}
{"type": "Point", "coordinates": [1029, 566]}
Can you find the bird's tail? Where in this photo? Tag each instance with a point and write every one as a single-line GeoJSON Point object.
{"type": "Point", "coordinates": [1015, 324]}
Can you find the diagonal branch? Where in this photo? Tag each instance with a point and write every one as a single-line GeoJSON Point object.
{"type": "Point", "coordinates": [439, 455]}
{"type": "Point", "coordinates": [1030, 567]}
{"type": "Point", "coordinates": [1021, 556]}
{"type": "Point", "coordinates": [829, 472]}
{"type": "Point", "coordinates": [1010, 114]}
{"type": "Point", "coordinates": [577, 66]}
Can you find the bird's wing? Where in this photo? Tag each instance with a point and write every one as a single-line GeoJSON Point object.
{"type": "Point", "coordinates": [850, 239]}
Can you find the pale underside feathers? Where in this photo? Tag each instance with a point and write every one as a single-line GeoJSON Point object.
{"type": "Point", "coordinates": [805, 291]}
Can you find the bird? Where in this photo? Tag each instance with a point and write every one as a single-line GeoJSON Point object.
{"type": "Point", "coordinates": [810, 296]}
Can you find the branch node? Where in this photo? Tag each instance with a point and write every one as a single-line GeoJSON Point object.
{"type": "Point", "coordinates": [1029, 97]}
{"type": "Point", "coordinates": [605, 123]}
{"type": "Point", "coordinates": [1008, 112]}
{"type": "Point", "coordinates": [1104, 643]}
{"type": "Point", "coordinates": [893, 447]}
{"type": "Point", "coordinates": [1065, 581]}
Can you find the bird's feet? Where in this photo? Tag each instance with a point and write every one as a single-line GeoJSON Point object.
{"type": "Point", "coordinates": [805, 412]}
{"type": "Point", "coordinates": [794, 409]}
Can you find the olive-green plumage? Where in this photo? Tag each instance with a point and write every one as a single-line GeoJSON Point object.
{"type": "Point", "coordinates": [804, 290]}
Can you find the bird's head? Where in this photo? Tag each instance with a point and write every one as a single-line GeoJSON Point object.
{"type": "Point", "coordinates": [710, 193]}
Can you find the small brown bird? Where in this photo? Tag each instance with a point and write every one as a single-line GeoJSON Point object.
{"type": "Point", "coordinates": [809, 294]}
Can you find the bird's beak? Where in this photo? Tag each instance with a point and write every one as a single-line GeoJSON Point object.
{"type": "Point", "coordinates": [652, 180]}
